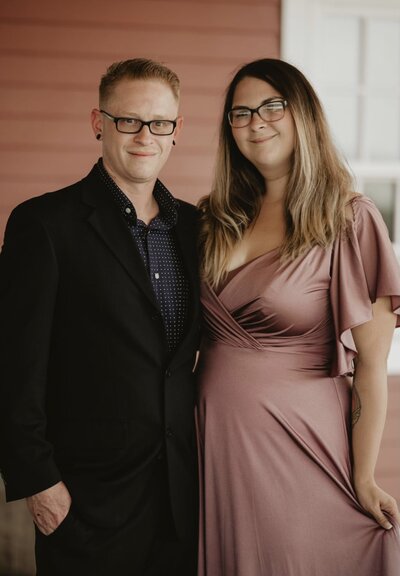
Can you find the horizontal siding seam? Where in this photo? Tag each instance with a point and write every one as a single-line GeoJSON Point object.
{"type": "Point", "coordinates": [134, 27]}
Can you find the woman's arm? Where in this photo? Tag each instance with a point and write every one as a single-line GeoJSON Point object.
{"type": "Point", "coordinates": [372, 341]}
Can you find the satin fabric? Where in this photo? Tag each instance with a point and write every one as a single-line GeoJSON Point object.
{"type": "Point", "coordinates": [274, 411]}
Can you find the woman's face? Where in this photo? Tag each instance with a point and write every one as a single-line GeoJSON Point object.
{"type": "Point", "coordinates": [268, 145]}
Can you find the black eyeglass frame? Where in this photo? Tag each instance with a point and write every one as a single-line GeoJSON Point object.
{"type": "Point", "coordinates": [253, 111]}
{"type": "Point", "coordinates": [148, 123]}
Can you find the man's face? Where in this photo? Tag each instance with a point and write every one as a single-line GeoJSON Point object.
{"type": "Point", "coordinates": [136, 158]}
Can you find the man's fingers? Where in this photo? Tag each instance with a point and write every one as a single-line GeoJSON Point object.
{"type": "Point", "coordinates": [44, 527]}
{"type": "Point", "coordinates": [49, 507]}
{"type": "Point", "coordinates": [49, 522]}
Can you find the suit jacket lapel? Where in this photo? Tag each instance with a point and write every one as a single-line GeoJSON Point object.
{"type": "Point", "coordinates": [110, 226]}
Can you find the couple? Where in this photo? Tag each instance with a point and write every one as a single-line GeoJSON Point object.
{"type": "Point", "coordinates": [99, 304]}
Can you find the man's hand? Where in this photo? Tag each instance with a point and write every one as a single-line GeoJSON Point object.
{"type": "Point", "coordinates": [50, 507]}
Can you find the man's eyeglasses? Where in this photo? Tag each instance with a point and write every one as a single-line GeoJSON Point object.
{"type": "Point", "coordinates": [134, 125]}
{"type": "Point", "coordinates": [269, 111]}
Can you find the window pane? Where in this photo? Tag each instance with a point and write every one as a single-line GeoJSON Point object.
{"type": "Point", "coordinates": [383, 194]}
{"type": "Point", "coordinates": [382, 128]}
{"type": "Point", "coordinates": [341, 111]}
{"type": "Point", "coordinates": [383, 54]}
{"type": "Point", "coordinates": [338, 55]}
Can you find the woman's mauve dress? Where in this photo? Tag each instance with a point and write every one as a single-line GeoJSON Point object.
{"type": "Point", "coordinates": [274, 412]}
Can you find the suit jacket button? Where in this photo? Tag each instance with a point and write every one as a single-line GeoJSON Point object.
{"type": "Point", "coordinates": [169, 432]}
{"type": "Point", "coordinates": [167, 373]}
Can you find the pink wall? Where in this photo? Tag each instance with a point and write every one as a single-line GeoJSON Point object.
{"type": "Point", "coordinates": [52, 55]}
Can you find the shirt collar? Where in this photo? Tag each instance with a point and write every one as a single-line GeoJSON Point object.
{"type": "Point", "coordinates": [168, 215]}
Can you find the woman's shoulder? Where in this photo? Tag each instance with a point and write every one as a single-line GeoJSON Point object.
{"type": "Point", "coordinates": [359, 206]}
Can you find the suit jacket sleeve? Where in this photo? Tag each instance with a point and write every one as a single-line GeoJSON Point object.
{"type": "Point", "coordinates": [28, 287]}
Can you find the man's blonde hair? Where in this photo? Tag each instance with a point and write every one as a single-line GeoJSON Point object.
{"type": "Point", "coordinates": [136, 69]}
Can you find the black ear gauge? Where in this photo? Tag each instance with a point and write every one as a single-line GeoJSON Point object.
{"type": "Point", "coordinates": [98, 136]}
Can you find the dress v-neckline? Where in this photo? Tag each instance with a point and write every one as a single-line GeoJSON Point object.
{"type": "Point", "coordinates": [239, 269]}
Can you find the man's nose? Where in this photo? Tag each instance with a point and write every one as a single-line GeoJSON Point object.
{"type": "Point", "coordinates": [144, 134]}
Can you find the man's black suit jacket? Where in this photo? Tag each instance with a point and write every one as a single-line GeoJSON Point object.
{"type": "Point", "coordinates": [88, 392]}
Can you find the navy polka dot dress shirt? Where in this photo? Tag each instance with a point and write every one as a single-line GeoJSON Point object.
{"type": "Point", "coordinates": [158, 248]}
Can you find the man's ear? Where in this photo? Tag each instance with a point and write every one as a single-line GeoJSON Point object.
{"type": "Point", "coordinates": [96, 118]}
{"type": "Point", "coordinates": [178, 127]}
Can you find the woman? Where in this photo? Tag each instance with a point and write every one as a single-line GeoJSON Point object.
{"type": "Point", "coordinates": [301, 290]}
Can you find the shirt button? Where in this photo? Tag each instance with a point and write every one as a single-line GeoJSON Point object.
{"type": "Point", "coordinates": [128, 210]}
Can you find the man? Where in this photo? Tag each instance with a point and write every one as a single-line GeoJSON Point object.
{"type": "Point", "coordinates": [99, 329]}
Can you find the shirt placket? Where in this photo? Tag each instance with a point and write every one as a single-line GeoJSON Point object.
{"type": "Point", "coordinates": [153, 260]}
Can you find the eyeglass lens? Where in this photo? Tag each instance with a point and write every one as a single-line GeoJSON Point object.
{"type": "Point", "coordinates": [270, 112]}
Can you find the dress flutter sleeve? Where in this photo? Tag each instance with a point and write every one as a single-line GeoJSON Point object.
{"type": "Point", "coordinates": [364, 268]}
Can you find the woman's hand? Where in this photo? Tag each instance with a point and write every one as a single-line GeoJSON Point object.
{"type": "Point", "coordinates": [375, 501]}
